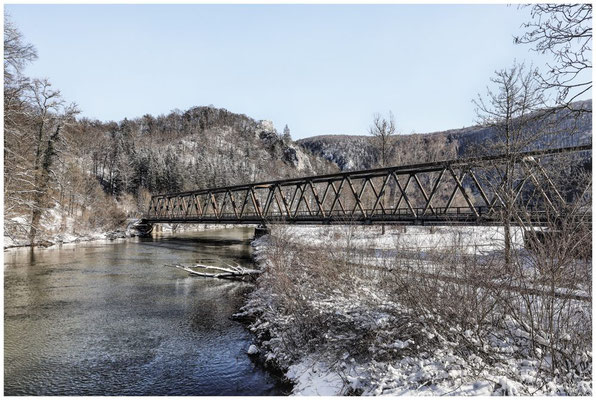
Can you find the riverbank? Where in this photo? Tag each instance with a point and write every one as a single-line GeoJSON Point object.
{"type": "Point", "coordinates": [57, 229]}
{"type": "Point", "coordinates": [60, 239]}
{"type": "Point", "coordinates": [335, 326]}
{"type": "Point", "coordinates": [51, 238]}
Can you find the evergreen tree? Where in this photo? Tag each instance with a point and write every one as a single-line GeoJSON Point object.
{"type": "Point", "coordinates": [287, 138]}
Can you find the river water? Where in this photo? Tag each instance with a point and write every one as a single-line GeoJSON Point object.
{"type": "Point", "coordinates": [113, 319]}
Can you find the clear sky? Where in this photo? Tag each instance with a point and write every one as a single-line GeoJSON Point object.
{"type": "Point", "coordinates": [319, 69]}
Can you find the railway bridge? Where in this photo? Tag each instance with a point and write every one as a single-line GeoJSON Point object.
{"type": "Point", "coordinates": [539, 185]}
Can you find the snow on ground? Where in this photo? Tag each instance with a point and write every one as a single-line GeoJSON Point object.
{"type": "Point", "coordinates": [62, 238]}
{"type": "Point", "coordinates": [13, 242]}
{"type": "Point", "coordinates": [368, 344]}
{"type": "Point", "coordinates": [169, 228]}
{"type": "Point", "coordinates": [56, 229]}
{"type": "Point", "coordinates": [485, 238]}
{"type": "Point", "coordinates": [314, 378]}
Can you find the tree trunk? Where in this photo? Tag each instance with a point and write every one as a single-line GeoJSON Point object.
{"type": "Point", "coordinates": [41, 184]}
{"type": "Point", "coordinates": [508, 214]}
{"type": "Point", "coordinates": [507, 232]}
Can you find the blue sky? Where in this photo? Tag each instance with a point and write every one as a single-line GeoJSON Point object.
{"type": "Point", "coordinates": [319, 69]}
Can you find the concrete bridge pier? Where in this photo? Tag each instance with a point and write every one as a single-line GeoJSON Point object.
{"type": "Point", "coordinates": [142, 227]}
{"type": "Point", "coordinates": [261, 230]}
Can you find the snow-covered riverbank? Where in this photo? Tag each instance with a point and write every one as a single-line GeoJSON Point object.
{"type": "Point", "coordinates": [66, 238]}
{"type": "Point", "coordinates": [53, 236]}
{"type": "Point", "coordinates": [336, 330]}
{"type": "Point", "coordinates": [56, 229]}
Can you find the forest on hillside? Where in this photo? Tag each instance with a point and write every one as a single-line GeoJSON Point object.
{"type": "Point", "coordinates": [69, 175]}
{"type": "Point", "coordinates": [355, 152]}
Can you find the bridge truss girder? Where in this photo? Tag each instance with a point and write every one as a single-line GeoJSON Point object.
{"type": "Point", "coordinates": [468, 191]}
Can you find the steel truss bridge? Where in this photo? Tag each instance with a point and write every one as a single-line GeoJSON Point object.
{"type": "Point", "coordinates": [472, 191]}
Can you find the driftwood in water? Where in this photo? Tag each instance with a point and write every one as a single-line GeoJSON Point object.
{"type": "Point", "coordinates": [229, 272]}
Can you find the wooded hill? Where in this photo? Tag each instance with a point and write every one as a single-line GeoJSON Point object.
{"type": "Point", "coordinates": [69, 175]}
{"type": "Point", "coordinates": [354, 152]}
{"type": "Point", "coordinates": [105, 172]}
{"type": "Point", "coordinates": [198, 148]}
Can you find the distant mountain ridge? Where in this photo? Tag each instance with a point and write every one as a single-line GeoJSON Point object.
{"type": "Point", "coordinates": [352, 152]}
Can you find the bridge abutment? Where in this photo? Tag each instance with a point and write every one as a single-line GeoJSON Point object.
{"type": "Point", "coordinates": [261, 230]}
{"type": "Point", "coordinates": [143, 228]}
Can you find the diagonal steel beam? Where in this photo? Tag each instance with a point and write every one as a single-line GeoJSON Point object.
{"type": "Point", "coordinates": [233, 202]}
{"type": "Point", "coordinates": [423, 194]}
{"type": "Point", "coordinates": [530, 174]}
{"type": "Point", "coordinates": [269, 200]}
{"type": "Point", "coordinates": [246, 196]}
{"type": "Point", "coordinates": [463, 191]}
{"type": "Point", "coordinates": [316, 197]}
{"type": "Point", "coordinates": [357, 197]}
{"type": "Point", "coordinates": [255, 203]}
{"type": "Point", "coordinates": [432, 194]}
{"type": "Point", "coordinates": [380, 194]}
{"type": "Point", "coordinates": [403, 195]}
{"type": "Point", "coordinates": [284, 201]}
{"type": "Point", "coordinates": [480, 190]}
{"type": "Point", "coordinates": [337, 195]}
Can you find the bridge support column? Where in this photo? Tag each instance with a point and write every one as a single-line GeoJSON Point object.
{"type": "Point", "coordinates": [261, 230]}
{"type": "Point", "coordinates": [142, 227]}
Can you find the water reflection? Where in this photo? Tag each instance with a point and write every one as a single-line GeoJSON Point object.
{"type": "Point", "coordinates": [111, 319]}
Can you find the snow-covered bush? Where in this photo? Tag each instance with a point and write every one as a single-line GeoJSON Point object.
{"type": "Point", "coordinates": [334, 312]}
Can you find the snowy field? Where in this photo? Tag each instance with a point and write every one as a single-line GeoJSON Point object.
{"type": "Point", "coordinates": [471, 238]}
{"type": "Point", "coordinates": [337, 332]}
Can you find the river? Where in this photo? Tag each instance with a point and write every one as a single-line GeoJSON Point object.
{"type": "Point", "coordinates": [110, 318]}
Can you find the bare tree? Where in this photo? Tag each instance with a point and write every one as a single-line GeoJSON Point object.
{"type": "Point", "coordinates": [18, 177]}
{"type": "Point", "coordinates": [512, 110]}
{"type": "Point", "coordinates": [557, 262]}
{"type": "Point", "coordinates": [17, 53]}
{"type": "Point", "coordinates": [50, 115]}
{"type": "Point", "coordinates": [383, 131]}
{"type": "Point", "coordinates": [565, 32]}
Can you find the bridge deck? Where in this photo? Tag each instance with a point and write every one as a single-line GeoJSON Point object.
{"type": "Point", "coordinates": [402, 217]}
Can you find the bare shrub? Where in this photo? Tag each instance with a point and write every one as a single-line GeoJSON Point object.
{"type": "Point", "coordinates": [344, 299]}
{"type": "Point", "coordinates": [451, 289]}
{"type": "Point", "coordinates": [102, 214]}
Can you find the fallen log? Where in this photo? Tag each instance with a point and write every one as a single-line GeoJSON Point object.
{"type": "Point", "coordinates": [229, 272]}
